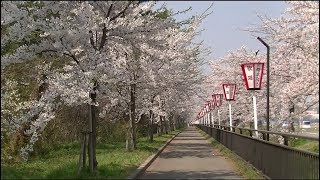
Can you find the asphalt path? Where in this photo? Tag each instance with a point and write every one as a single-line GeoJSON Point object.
{"type": "Point", "coordinates": [190, 156]}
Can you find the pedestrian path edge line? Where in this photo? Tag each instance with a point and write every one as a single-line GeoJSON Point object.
{"type": "Point", "coordinates": [149, 160]}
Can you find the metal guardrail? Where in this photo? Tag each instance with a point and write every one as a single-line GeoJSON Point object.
{"type": "Point", "coordinates": [285, 136]}
{"type": "Point", "coordinates": [274, 160]}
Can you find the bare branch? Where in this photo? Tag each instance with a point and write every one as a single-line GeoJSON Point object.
{"type": "Point", "coordinates": [121, 13]}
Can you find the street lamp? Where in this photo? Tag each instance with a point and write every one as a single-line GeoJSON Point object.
{"type": "Point", "coordinates": [211, 107]}
{"type": "Point", "coordinates": [207, 112]}
{"type": "Point", "coordinates": [229, 91]}
{"type": "Point", "coordinates": [217, 99]}
{"type": "Point", "coordinates": [201, 120]}
{"type": "Point", "coordinates": [252, 75]}
{"type": "Point", "coordinates": [268, 82]}
{"type": "Point", "coordinates": [202, 117]}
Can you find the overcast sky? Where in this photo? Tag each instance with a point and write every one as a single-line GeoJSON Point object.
{"type": "Point", "coordinates": [223, 27]}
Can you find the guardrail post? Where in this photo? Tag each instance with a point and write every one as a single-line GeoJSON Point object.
{"type": "Point", "coordinates": [285, 140]}
{"type": "Point", "coordinates": [240, 131]}
{"type": "Point", "coordinates": [264, 136]}
{"type": "Point", "coordinates": [250, 131]}
{"type": "Point", "coordinates": [233, 129]}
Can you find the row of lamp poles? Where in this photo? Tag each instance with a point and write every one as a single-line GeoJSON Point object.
{"type": "Point", "coordinates": [252, 75]}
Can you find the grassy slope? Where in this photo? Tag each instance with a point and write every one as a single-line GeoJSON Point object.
{"type": "Point", "coordinates": [307, 145]}
{"type": "Point", "coordinates": [113, 162]}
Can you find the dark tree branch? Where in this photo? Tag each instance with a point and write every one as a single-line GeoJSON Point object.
{"type": "Point", "coordinates": [104, 30]}
{"type": "Point", "coordinates": [109, 10]}
{"type": "Point", "coordinates": [104, 37]}
{"type": "Point", "coordinates": [91, 41]}
{"type": "Point", "coordinates": [70, 55]}
{"type": "Point", "coordinates": [121, 13]}
{"type": "Point", "coordinates": [75, 59]}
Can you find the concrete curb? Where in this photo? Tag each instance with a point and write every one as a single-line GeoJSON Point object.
{"type": "Point", "coordinates": [149, 160]}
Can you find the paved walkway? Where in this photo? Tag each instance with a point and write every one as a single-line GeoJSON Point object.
{"type": "Point", "coordinates": [190, 156]}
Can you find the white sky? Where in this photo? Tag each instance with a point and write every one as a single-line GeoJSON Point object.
{"type": "Point", "coordinates": [223, 27]}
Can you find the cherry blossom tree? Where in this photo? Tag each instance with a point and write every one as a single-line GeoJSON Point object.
{"type": "Point", "coordinates": [110, 51]}
{"type": "Point", "coordinates": [88, 35]}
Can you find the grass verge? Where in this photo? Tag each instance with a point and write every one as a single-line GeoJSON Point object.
{"type": "Point", "coordinates": [304, 144]}
{"type": "Point", "coordinates": [244, 168]}
{"type": "Point", "coordinates": [114, 162]}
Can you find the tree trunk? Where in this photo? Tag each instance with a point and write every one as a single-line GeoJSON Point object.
{"type": "Point", "coordinates": [170, 125]}
{"type": "Point", "coordinates": [150, 126]}
{"type": "Point", "coordinates": [161, 125]}
{"type": "Point", "coordinates": [165, 125]}
{"type": "Point", "coordinates": [174, 122]}
{"type": "Point", "coordinates": [92, 135]}
{"type": "Point", "coordinates": [133, 116]}
{"type": "Point", "coordinates": [158, 130]}
{"type": "Point", "coordinates": [131, 135]}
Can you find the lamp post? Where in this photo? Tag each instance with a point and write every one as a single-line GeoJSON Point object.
{"type": "Point", "coordinates": [252, 75]}
{"type": "Point", "coordinates": [229, 91]}
{"type": "Point", "coordinates": [268, 83]}
{"type": "Point", "coordinates": [202, 120]}
{"type": "Point", "coordinates": [217, 98]}
{"type": "Point", "coordinates": [213, 105]}
{"type": "Point", "coordinates": [206, 110]}
{"type": "Point", "coordinates": [210, 114]}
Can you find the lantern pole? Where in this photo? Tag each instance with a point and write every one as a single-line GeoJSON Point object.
{"type": "Point", "coordinates": [212, 120]}
{"type": "Point", "coordinates": [211, 116]}
{"type": "Point", "coordinates": [230, 116]}
{"type": "Point", "coordinates": [209, 119]}
{"type": "Point", "coordinates": [218, 104]}
{"type": "Point", "coordinates": [219, 117]}
{"type": "Point", "coordinates": [255, 119]}
{"type": "Point", "coordinates": [202, 118]}
{"type": "Point", "coordinates": [268, 83]}
{"type": "Point", "coordinates": [206, 117]}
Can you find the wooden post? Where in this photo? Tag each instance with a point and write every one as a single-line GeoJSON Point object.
{"type": "Point", "coordinates": [285, 140]}
{"type": "Point", "coordinates": [92, 135]}
{"type": "Point", "coordinates": [90, 142]}
{"type": "Point", "coordinates": [82, 159]}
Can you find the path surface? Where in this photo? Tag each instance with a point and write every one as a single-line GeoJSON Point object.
{"type": "Point", "coordinates": [190, 156]}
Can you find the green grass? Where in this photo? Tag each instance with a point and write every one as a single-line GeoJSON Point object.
{"type": "Point", "coordinates": [114, 162]}
{"type": "Point", "coordinates": [307, 145]}
{"type": "Point", "coordinates": [243, 168]}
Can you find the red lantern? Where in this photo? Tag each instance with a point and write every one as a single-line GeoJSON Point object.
{"type": "Point", "coordinates": [252, 75]}
{"type": "Point", "coordinates": [229, 91]}
{"type": "Point", "coordinates": [210, 105]}
{"type": "Point", "coordinates": [207, 108]}
{"type": "Point", "coordinates": [214, 100]}
{"type": "Point", "coordinates": [217, 99]}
